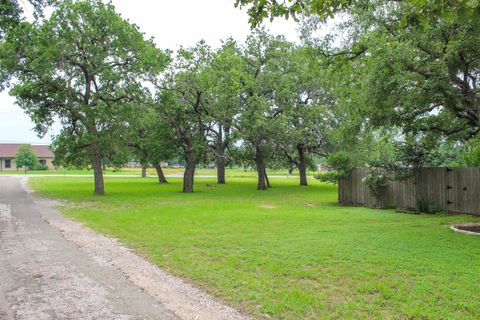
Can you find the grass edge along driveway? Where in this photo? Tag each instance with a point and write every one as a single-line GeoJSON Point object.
{"type": "Point", "coordinates": [290, 252]}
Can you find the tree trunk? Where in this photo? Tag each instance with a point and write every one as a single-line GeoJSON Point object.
{"type": "Point", "coordinates": [220, 156]}
{"type": "Point", "coordinates": [266, 177]}
{"type": "Point", "coordinates": [161, 176]}
{"type": "Point", "coordinates": [220, 163]}
{"type": "Point", "coordinates": [220, 171]}
{"type": "Point", "coordinates": [189, 172]}
{"type": "Point", "coordinates": [302, 165]}
{"type": "Point", "coordinates": [97, 169]}
{"type": "Point", "coordinates": [144, 171]}
{"type": "Point", "coordinates": [262, 185]}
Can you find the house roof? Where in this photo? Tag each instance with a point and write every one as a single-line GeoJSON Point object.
{"type": "Point", "coordinates": [9, 150]}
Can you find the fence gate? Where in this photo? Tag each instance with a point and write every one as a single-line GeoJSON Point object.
{"type": "Point", "coordinates": [463, 190]}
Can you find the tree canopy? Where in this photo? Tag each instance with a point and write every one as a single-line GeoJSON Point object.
{"type": "Point", "coordinates": [11, 12]}
{"type": "Point", "coordinates": [259, 10]}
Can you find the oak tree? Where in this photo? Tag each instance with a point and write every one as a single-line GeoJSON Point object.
{"type": "Point", "coordinates": [182, 100]}
{"type": "Point", "coordinates": [82, 66]}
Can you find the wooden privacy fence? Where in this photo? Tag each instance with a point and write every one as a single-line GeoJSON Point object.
{"type": "Point", "coordinates": [454, 190]}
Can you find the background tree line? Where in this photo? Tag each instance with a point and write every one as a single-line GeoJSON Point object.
{"type": "Point", "coordinates": [398, 88]}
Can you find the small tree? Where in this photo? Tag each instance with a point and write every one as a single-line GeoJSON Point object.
{"type": "Point", "coordinates": [25, 157]}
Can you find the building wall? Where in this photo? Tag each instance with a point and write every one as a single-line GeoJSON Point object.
{"type": "Point", "coordinates": [49, 163]}
{"type": "Point", "coordinates": [13, 166]}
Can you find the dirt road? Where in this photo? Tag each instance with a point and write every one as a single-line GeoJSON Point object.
{"type": "Point", "coordinates": [54, 268]}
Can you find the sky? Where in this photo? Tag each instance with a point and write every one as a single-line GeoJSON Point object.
{"type": "Point", "coordinates": [172, 24]}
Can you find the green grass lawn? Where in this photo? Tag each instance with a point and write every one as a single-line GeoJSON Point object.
{"type": "Point", "coordinates": [71, 172]}
{"type": "Point", "coordinates": [109, 171]}
{"type": "Point", "coordinates": [290, 252]}
{"type": "Point", "coordinates": [230, 172]}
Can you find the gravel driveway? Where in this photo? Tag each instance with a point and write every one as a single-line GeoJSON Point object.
{"type": "Point", "coordinates": [54, 268]}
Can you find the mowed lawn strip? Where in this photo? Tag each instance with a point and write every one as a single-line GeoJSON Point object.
{"type": "Point", "coordinates": [230, 172]}
{"type": "Point", "coordinates": [289, 252]}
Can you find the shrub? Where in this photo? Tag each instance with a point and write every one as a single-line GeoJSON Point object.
{"type": "Point", "coordinates": [328, 176]}
{"type": "Point", "coordinates": [342, 164]}
{"type": "Point", "coordinates": [428, 207]}
{"type": "Point", "coordinates": [471, 152]}
{"type": "Point", "coordinates": [341, 161]}
{"type": "Point", "coordinates": [40, 167]}
{"type": "Point", "coordinates": [412, 210]}
{"type": "Point", "coordinates": [377, 182]}
{"type": "Point", "coordinates": [73, 167]}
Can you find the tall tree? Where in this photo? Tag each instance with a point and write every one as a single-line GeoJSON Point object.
{"type": "Point", "coordinates": [83, 65]}
{"type": "Point", "coordinates": [422, 75]}
{"type": "Point", "coordinates": [152, 139]}
{"type": "Point", "coordinates": [224, 78]}
{"type": "Point", "coordinates": [305, 101]}
{"type": "Point", "coordinates": [182, 101]}
{"type": "Point", "coordinates": [421, 63]}
{"type": "Point", "coordinates": [413, 68]}
{"type": "Point", "coordinates": [256, 124]}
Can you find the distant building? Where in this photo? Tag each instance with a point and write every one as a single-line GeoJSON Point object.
{"type": "Point", "coordinates": [133, 164]}
{"type": "Point", "coordinates": [9, 150]}
{"type": "Point", "coordinates": [323, 167]}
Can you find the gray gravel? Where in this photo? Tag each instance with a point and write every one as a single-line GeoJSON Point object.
{"type": "Point", "coordinates": [54, 268]}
